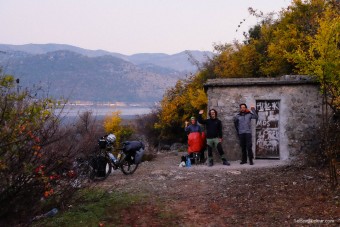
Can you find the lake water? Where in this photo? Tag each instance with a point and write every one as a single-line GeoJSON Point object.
{"type": "Point", "coordinates": [101, 111]}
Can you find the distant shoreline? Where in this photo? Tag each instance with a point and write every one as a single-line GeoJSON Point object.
{"type": "Point", "coordinates": [109, 104]}
{"type": "Point", "coordinates": [100, 111]}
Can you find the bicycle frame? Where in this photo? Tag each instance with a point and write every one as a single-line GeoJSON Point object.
{"type": "Point", "coordinates": [124, 162]}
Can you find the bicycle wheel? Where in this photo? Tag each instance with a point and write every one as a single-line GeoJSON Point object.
{"type": "Point", "coordinates": [128, 166]}
{"type": "Point", "coordinates": [102, 167]}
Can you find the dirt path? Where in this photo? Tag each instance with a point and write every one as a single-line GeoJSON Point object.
{"type": "Point", "coordinates": [265, 194]}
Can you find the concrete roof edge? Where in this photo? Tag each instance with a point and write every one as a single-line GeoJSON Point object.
{"type": "Point", "coordinates": [284, 80]}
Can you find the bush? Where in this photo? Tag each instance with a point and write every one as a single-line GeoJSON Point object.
{"type": "Point", "coordinates": [113, 124]}
{"type": "Point", "coordinates": [145, 126]}
{"type": "Point", "coordinates": [36, 150]}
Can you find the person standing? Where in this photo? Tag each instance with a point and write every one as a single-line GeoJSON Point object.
{"type": "Point", "coordinates": [195, 139]}
{"type": "Point", "coordinates": [214, 135]}
{"type": "Point", "coordinates": [242, 123]}
{"type": "Point", "coordinates": [193, 127]}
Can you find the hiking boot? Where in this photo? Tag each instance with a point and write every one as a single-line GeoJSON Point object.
{"type": "Point", "coordinates": [243, 162]}
{"type": "Point", "coordinates": [225, 162]}
{"type": "Point", "coordinates": [251, 162]}
{"type": "Point", "coordinates": [210, 163]}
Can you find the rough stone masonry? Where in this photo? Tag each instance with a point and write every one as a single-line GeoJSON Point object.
{"type": "Point", "coordinates": [289, 109]}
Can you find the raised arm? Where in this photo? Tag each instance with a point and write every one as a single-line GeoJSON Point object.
{"type": "Point", "coordinates": [253, 112]}
{"type": "Point", "coordinates": [200, 119]}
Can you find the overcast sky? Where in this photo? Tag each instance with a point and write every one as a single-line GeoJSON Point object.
{"type": "Point", "coordinates": [130, 26]}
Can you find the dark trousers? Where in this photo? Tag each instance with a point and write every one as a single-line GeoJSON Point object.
{"type": "Point", "coordinates": [246, 145]}
{"type": "Point", "coordinates": [214, 142]}
{"type": "Point", "coordinates": [219, 149]}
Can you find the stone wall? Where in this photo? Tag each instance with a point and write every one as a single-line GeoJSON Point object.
{"type": "Point", "coordinates": [300, 106]}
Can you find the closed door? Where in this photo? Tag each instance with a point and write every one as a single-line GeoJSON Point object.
{"type": "Point", "coordinates": [267, 129]}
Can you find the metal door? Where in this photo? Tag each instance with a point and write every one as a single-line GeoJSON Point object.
{"type": "Point", "coordinates": [267, 129]}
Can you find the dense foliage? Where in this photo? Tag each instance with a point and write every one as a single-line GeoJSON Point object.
{"type": "Point", "coordinates": [322, 58]}
{"type": "Point", "coordinates": [36, 152]}
{"type": "Point", "coordinates": [113, 124]}
{"type": "Point", "coordinates": [177, 106]}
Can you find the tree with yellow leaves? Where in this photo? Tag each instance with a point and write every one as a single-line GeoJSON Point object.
{"type": "Point", "coordinates": [113, 124]}
{"type": "Point", "coordinates": [322, 60]}
{"type": "Point", "coordinates": [178, 105]}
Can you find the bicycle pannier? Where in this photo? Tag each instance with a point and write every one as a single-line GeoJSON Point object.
{"type": "Point", "coordinates": [133, 146]}
{"type": "Point", "coordinates": [139, 156]}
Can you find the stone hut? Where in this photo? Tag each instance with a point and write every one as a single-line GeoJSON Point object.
{"type": "Point", "coordinates": [289, 110]}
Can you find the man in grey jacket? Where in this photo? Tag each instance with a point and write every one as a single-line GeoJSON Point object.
{"type": "Point", "coordinates": [242, 123]}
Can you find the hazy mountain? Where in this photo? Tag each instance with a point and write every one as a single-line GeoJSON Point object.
{"type": "Point", "coordinates": [179, 62]}
{"type": "Point", "coordinates": [79, 74]}
{"type": "Point", "coordinates": [78, 77]}
{"type": "Point", "coordinates": [45, 48]}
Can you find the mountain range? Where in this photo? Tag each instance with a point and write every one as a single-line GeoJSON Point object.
{"type": "Point", "coordinates": [97, 75]}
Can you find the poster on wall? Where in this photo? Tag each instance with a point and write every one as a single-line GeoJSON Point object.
{"type": "Point", "coordinates": [267, 129]}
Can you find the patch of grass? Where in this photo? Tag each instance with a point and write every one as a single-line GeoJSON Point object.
{"type": "Point", "coordinates": [167, 215]}
{"type": "Point", "coordinates": [91, 207]}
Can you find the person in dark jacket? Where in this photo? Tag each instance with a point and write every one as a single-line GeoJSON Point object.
{"type": "Point", "coordinates": [242, 123]}
{"type": "Point", "coordinates": [214, 135]}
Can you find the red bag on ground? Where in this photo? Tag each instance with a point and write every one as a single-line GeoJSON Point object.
{"type": "Point", "coordinates": [195, 144]}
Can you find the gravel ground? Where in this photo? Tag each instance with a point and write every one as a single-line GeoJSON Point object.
{"type": "Point", "coordinates": [269, 193]}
